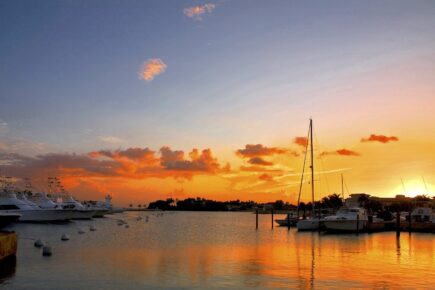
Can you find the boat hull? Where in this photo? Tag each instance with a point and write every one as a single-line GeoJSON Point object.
{"type": "Point", "coordinates": [345, 225]}
{"type": "Point", "coordinates": [99, 213]}
{"type": "Point", "coordinates": [7, 218]}
{"type": "Point", "coordinates": [43, 215]}
{"type": "Point", "coordinates": [82, 214]}
{"type": "Point", "coordinates": [308, 225]}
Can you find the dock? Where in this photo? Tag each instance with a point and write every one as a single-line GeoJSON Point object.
{"type": "Point", "coordinates": [8, 244]}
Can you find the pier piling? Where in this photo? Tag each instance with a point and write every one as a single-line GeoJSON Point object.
{"type": "Point", "coordinates": [357, 224]}
{"type": "Point", "coordinates": [398, 224]}
{"type": "Point", "coordinates": [256, 219]}
{"type": "Point", "coordinates": [409, 222]}
{"type": "Point", "coordinates": [272, 218]}
{"type": "Point", "coordinates": [288, 221]}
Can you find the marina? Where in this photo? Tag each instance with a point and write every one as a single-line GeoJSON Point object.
{"type": "Point", "coordinates": [198, 250]}
{"type": "Point", "coordinates": [214, 144]}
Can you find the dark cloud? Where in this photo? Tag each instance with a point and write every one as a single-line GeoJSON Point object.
{"type": "Point", "coordinates": [259, 161]}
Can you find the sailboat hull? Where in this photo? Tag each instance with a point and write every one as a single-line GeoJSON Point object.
{"type": "Point", "coordinates": [308, 225]}
{"type": "Point", "coordinates": [345, 225]}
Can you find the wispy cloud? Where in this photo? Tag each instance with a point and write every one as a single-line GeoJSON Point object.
{"type": "Point", "coordinates": [4, 127]}
{"type": "Point", "coordinates": [197, 12]}
{"type": "Point", "coordinates": [151, 68]}
{"type": "Point", "coordinates": [110, 139]}
{"type": "Point", "coordinates": [380, 138]}
{"type": "Point", "coordinates": [342, 152]}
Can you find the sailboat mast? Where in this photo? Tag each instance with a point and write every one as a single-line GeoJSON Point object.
{"type": "Point", "coordinates": [312, 163]}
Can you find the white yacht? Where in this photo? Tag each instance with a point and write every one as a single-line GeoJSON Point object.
{"type": "Point", "coordinates": [422, 214]}
{"type": "Point", "coordinates": [78, 209]}
{"type": "Point", "coordinates": [347, 219]}
{"type": "Point", "coordinates": [107, 204]}
{"type": "Point", "coordinates": [30, 212]}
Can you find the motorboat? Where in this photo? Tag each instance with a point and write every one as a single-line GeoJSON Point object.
{"type": "Point", "coordinates": [422, 214]}
{"type": "Point", "coordinates": [29, 211]}
{"type": "Point", "coordinates": [288, 221]}
{"type": "Point", "coordinates": [7, 218]}
{"type": "Point", "coordinates": [79, 210]}
{"type": "Point", "coordinates": [347, 219]}
{"type": "Point", "coordinates": [107, 205]}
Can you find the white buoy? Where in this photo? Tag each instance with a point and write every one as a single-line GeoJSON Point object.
{"type": "Point", "coordinates": [46, 251]}
{"type": "Point", "coordinates": [81, 231]}
{"type": "Point", "coordinates": [38, 243]}
{"type": "Point", "coordinates": [92, 228]}
{"type": "Point", "coordinates": [64, 237]}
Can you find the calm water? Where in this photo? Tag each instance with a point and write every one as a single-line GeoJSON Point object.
{"type": "Point", "coordinates": [189, 250]}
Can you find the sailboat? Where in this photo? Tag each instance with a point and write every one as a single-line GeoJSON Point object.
{"type": "Point", "coordinates": [312, 223]}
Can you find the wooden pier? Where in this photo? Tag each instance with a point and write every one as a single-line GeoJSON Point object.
{"type": "Point", "coordinates": [8, 244]}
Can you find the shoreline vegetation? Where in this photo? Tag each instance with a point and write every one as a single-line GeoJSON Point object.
{"type": "Point", "coordinates": [331, 202]}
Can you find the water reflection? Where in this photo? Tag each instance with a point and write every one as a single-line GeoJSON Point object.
{"type": "Point", "coordinates": [222, 250]}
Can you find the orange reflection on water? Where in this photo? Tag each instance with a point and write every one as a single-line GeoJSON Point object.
{"type": "Point", "coordinates": [280, 259]}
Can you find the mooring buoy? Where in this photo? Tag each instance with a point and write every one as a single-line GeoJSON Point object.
{"type": "Point", "coordinates": [46, 251]}
{"type": "Point", "coordinates": [38, 243]}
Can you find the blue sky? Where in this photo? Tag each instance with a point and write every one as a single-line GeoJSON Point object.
{"type": "Point", "coordinates": [69, 70]}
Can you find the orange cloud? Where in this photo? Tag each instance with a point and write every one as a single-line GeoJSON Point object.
{"type": "Point", "coordinates": [151, 68]}
{"type": "Point", "coordinates": [301, 141]}
{"type": "Point", "coordinates": [265, 177]}
{"type": "Point", "coordinates": [174, 160]}
{"type": "Point", "coordinates": [196, 12]}
{"type": "Point", "coordinates": [343, 152]}
{"type": "Point", "coordinates": [133, 163]}
{"type": "Point", "coordinates": [259, 161]}
{"type": "Point", "coordinates": [380, 138]}
{"type": "Point", "coordinates": [259, 169]}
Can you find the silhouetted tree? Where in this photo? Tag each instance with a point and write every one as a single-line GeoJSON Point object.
{"type": "Point", "coordinates": [278, 205]}
{"type": "Point", "coordinates": [363, 199]}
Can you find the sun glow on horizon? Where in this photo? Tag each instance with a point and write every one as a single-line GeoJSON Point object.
{"type": "Point", "coordinates": [414, 188]}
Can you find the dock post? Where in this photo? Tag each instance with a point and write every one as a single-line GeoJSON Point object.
{"type": "Point", "coordinates": [288, 220]}
{"type": "Point", "coordinates": [272, 218]}
{"type": "Point", "coordinates": [256, 219]}
{"type": "Point", "coordinates": [409, 223]}
{"type": "Point", "coordinates": [357, 224]}
{"type": "Point", "coordinates": [398, 224]}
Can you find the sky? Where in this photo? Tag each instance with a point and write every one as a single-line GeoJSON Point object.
{"type": "Point", "coordinates": [155, 99]}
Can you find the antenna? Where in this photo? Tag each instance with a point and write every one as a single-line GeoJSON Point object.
{"type": "Point", "coordinates": [425, 185]}
{"type": "Point", "coordinates": [403, 185]}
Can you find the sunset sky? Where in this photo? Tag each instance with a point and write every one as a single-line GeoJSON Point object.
{"type": "Point", "coordinates": [156, 99]}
